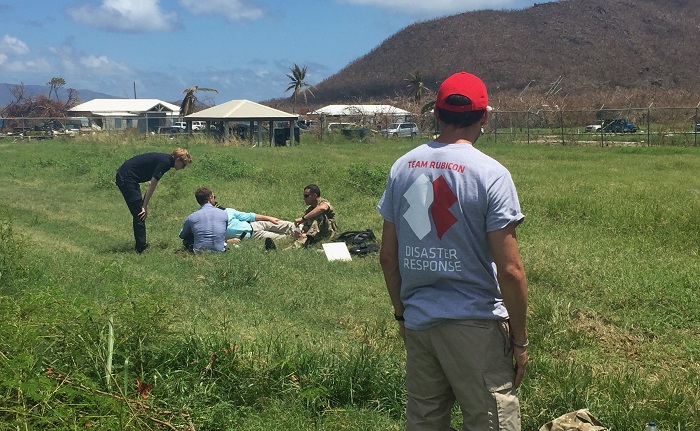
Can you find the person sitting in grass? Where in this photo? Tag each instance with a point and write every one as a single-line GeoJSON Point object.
{"type": "Point", "coordinates": [318, 221]}
{"type": "Point", "coordinates": [205, 229]}
{"type": "Point", "coordinates": [243, 225]}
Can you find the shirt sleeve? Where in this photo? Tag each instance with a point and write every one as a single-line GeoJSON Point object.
{"type": "Point", "coordinates": [186, 229]}
{"type": "Point", "coordinates": [239, 215]}
{"type": "Point", "coordinates": [503, 207]}
{"type": "Point", "coordinates": [162, 167]}
{"type": "Point", "coordinates": [386, 203]}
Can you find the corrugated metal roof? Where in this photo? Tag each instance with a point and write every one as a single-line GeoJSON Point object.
{"type": "Point", "coordinates": [241, 110]}
{"type": "Point", "coordinates": [350, 110]}
{"type": "Point", "coordinates": [126, 105]}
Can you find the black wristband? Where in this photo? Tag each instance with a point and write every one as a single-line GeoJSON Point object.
{"type": "Point", "coordinates": [399, 318]}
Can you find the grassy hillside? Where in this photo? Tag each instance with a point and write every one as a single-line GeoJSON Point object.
{"type": "Point", "coordinates": [250, 340]}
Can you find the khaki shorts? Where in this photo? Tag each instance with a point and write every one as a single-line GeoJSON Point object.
{"type": "Point", "coordinates": [468, 361]}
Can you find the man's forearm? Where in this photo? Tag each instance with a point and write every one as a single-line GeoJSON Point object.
{"type": "Point", "coordinates": [389, 260]}
{"type": "Point", "coordinates": [511, 279]}
{"type": "Point", "coordinates": [514, 291]}
{"type": "Point", "coordinates": [149, 192]}
{"type": "Point", "coordinates": [263, 217]}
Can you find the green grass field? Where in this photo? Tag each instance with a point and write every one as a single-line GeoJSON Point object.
{"type": "Point", "coordinates": [250, 340]}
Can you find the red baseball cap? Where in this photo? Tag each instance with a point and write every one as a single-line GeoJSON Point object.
{"type": "Point", "coordinates": [464, 84]}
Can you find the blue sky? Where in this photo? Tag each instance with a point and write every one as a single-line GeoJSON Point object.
{"type": "Point", "coordinates": [242, 48]}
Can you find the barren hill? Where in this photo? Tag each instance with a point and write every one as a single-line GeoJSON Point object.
{"type": "Point", "coordinates": [582, 50]}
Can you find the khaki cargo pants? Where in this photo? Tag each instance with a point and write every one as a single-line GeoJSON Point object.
{"type": "Point", "coordinates": [468, 361]}
{"type": "Point", "coordinates": [316, 230]}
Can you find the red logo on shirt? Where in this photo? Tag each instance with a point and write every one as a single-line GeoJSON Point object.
{"type": "Point", "coordinates": [426, 199]}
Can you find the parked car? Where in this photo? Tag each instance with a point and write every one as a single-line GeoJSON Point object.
{"type": "Point", "coordinates": [619, 125]}
{"type": "Point", "coordinates": [338, 127]}
{"type": "Point", "coordinates": [402, 130]}
{"type": "Point", "coordinates": [170, 130]}
{"type": "Point", "coordinates": [595, 127]}
{"type": "Point", "coordinates": [196, 125]}
{"type": "Point", "coordinates": [358, 132]}
{"type": "Point", "coordinates": [697, 127]}
{"type": "Point", "coordinates": [614, 125]}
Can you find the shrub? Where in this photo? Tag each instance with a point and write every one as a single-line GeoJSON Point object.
{"type": "Point", "coordinates": [222, 167]}
{"type": "Point", "coordinates": [367, 179]}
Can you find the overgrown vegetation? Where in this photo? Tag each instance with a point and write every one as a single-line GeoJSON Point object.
{"type": "Point", "coordinates": [254, 340]}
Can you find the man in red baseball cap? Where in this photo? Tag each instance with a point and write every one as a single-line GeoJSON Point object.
{"type": "Point", "coordinates": [453, 271]}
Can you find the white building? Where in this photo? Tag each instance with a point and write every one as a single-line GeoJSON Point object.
{"type": "Point", "coordinates": [120, 114]}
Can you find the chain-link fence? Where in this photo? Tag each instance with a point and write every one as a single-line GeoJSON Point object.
{"type": "Point", "coordinates": [632, 126]}
{"type": "Point", "coordinates": [649, 126]}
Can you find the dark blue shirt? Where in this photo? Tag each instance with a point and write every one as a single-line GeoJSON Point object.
{"type": "Point", "coordinates": [143, 167]}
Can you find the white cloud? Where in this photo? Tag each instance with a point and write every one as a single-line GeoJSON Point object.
{"type": "Point", "coordinates": [76, 63]}
{"type": "Point", "coordinates": [26, 67]}
{"type": "Point", "coordinates": [125, 15]}
{"type": "Point", "coordinates": [12, 45]}
{"type": "Point", "coordinates": [434, 8]}
{"type": "Point", "coordinates": [103, 65]}
{"type": "Point", "coordinates": [232, 10]}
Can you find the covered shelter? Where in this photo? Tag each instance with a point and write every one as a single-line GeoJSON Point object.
{"type": "Point", "coordinates": [119, 114]}
{"type": "Point", "coordinates": [244, 119]}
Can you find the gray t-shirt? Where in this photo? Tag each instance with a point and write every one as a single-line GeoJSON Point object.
{"type": "Point", "coordinates": [443, 199]}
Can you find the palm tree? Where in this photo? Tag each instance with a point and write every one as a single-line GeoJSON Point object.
{"type": "Point", "coordinates": [188, 101]}
{"type": "Point", "coordinates": [415, 83]}
{"type": "Point", "coordinates": [54, 85]}
{"type": "Point", "coordinates": [298, 84]}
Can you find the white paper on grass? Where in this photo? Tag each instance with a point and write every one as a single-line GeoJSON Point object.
{"type": "Point", "coordinates": [336, 251]}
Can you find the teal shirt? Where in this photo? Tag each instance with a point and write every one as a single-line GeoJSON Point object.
{"type": "Point", "coordinates": [238, 223]}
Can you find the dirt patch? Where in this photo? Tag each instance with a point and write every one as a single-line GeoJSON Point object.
{"type": "Point", "coordinates": [611, 338]}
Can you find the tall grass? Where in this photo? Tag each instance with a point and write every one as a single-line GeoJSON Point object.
{"type": "Point", "coordinates": [250, 340]}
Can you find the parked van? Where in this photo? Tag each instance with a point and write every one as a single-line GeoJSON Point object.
{"type": "Point", "coordinates": [405, 130]}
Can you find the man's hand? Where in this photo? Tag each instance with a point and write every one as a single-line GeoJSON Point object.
{"type": "Point", "coordinates": [142, 214]}
{"type": "Point", "coordinates": [521, 359]}
{"type": "Point", "coordinates": [274, 220]}
{"type": "Point", "coordinates": [402, 331]}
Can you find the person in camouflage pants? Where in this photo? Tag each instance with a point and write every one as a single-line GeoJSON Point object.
{"type": "Point", "coordinates": [319, 220]}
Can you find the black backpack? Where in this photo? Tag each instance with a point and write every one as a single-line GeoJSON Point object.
{"type": "Point", "coordinates": [357, 241]}
{"type": "Point", "coordinates": [354, 237]}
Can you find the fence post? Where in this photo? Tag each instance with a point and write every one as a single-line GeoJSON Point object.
{"type": "Point", "coordinates": [561, 125]}
{"type": "Point", "coordinates": [527, 124]}
{"type": "Point", "coordinates": [649, 124]}
{"type": "Point", "coordinates": [695, 125]}
{"type": "Point", "coordinates": [495, 129]}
